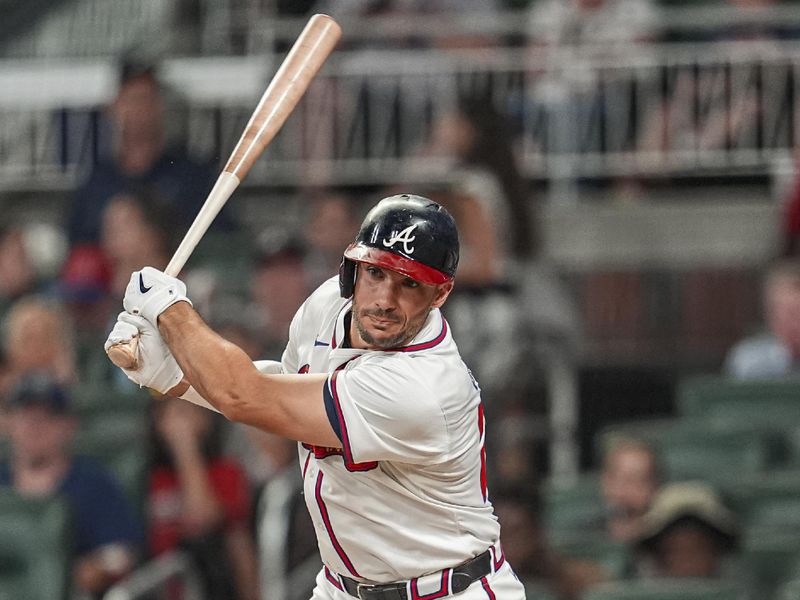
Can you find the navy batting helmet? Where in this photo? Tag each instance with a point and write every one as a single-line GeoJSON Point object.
{"type": "Point", "coordinates": [408, 234]}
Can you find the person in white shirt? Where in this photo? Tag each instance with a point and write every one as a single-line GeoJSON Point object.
{"type": "Point", "coordinates": [775, 352]}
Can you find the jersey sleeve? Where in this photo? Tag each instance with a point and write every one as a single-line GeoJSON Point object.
{"type": "Point", "coordinates": [385, 413]}
{"type": "Point", "coordinates": [291, 355]}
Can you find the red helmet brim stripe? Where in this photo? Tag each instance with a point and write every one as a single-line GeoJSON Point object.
{"type": "Point", "coordinates": [394, 262]}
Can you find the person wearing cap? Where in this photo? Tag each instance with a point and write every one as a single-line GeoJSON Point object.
{"type": "Point", "coordinates": [388, 419]}
{"type": "Point", "coordinates": [41, 427]}
{"type": "Point", "coordinates": [687, 532]}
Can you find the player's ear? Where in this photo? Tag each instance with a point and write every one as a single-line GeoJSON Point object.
{"type": "Point", "coordinates": [442, 292]}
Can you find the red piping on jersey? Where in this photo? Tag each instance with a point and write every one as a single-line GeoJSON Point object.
{"type": "Point", "coordinates": [424, 345]}
{"type": "Point", "coordinates": [487, 589]}
{"type": "Point", "coordinates": [323, 510]}
{"type": "Point", "coordinates": [481, 423]}
{"type": "Point", "coordinates": [444, 588]}
{"type": "Point", "coordinates": [497, 560]}
{"type": "Point", "coordinates": [330, 577]}
{"type": "Point", "coordinates": [348, 455]}
{"type": "Point", "coordinates": [308, 460]}
{"type": "Point", "coordinates": [349, 463]}
{"type": "Point", "coordinates": [412, 348]}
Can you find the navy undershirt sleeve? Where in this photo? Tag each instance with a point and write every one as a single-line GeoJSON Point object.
{"type": "Point", "coordinates": [330, 409]}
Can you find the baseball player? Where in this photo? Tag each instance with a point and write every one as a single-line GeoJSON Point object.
{"type": "Point", "coordinates": [388, 418]}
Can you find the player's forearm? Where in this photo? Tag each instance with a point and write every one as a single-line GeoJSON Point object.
{"type": "Point", "coordinates": [288, 405]}
{"type": "Point", "coordinates": [214, 367]}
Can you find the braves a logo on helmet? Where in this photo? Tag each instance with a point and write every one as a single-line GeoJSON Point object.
{"type": "Point", "coordinates": [405, 237]}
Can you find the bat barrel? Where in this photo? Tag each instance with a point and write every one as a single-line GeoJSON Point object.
{"type": "Point", "coordinates": [304, 60]}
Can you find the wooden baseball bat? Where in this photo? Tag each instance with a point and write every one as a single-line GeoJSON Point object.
{"type": "Point", "coordinates": [290, 82]}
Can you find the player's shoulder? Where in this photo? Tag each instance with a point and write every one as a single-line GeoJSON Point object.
{"type": "Point", "coordinates": [437, 374]}
{"type": "Point", "coordinates": [322, 302]}
{"type": "Point", "coordinates": [327, 292]}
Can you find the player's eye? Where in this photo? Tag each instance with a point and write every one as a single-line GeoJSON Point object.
{"type": "Point", "coordinates": [373, 271]}
{"type": "Point", "coordinates": [410, 283]}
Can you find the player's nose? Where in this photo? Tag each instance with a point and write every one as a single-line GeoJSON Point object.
{"type": "Point", "coordinates": [386, 295]}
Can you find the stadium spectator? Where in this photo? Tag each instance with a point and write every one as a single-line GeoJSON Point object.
{"type": "Point", "coordinates": [84, 286]}
{"type": "Point", "coordinates": [790, 224]}
{"type": "Point", "coordinates": [38, 336]}
{"type": "Point", "coordinates": [256, 453]}
{"type": "Point", "coordinates": [687, 533]}
{"type": "Point", "coordinates": [476, 141]}
{"type": "Point", "coordinates": [331, 226]}
{"type": "Point", "coordinates": [776, 352]}
{"type": "Point", "coordinates": [605, 23]}
{"type": "Point", "coordinates": [199, 500]}
{"type": "Point", "coordinates": [279, 265]}
{"type": "Point", "coordinates": [137, 229]}
{"type": "Point", "coordinates": [41, 426]}
{"type": "Point", "coordinates": [566, 39]}
{"type": "Point", "coordinates": [142, 158]}
{"type": "Point", "coordinates": [630, 478]}
{"type": "Point", "coordinates": [514, 448]}
{"type": "Point", "coordinates": [490, 201]}
{"type": "Point", "coordinates": [289, 560]}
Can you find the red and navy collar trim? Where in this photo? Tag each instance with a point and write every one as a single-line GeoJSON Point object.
{"type": "Point", "coordinates": [413, 347]}
{"type": "Point", "coordinates": [424, 345]}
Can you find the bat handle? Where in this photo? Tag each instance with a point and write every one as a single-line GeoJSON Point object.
{"type": "Point", "coordinates": [223, 189]}
{"type": "Point", "coordinates": [125, 354]}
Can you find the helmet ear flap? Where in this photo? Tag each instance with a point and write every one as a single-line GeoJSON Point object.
{"type": "Point", "coordinates": [347, 277]}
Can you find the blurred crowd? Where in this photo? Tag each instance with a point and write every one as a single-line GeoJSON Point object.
{"type": "Point", "coordinates": [228, 496]}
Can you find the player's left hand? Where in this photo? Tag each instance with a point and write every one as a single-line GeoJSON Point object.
{"type": "Point", "coordinates": [158, 369]}
{"type": "Point", "coordinates": [150, 292]}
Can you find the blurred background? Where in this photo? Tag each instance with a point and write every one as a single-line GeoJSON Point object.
{"type": "Point", "coordinates": [624, 178]}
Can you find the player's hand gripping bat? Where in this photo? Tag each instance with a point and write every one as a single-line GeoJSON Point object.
{"type": "Point", "coordinates": [312, 47]}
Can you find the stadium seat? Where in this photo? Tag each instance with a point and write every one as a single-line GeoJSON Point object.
{"type": "Point", "coordinates": [765, 500]}
{"type": "Point", "coordinates": [769, 401]}
{"type": "Point", "coordinates": [771, 556]}
{"type": "Point", "coordinates": [614, 557]}
{"type": "Point", "coordinates": [34, 548]}
{"type": "Point", "coordinates": [538, 592]}
{"type": "Point", "coordinates": [572, 506]}
{"type": "Point", "coordinates": [789, 590]}
{"type": "Point", "coordinates": [229, 256]}
{"type": "Point", "coordinates": [666, 590]}
{"type": "Point", "coordinates": [694, 448]}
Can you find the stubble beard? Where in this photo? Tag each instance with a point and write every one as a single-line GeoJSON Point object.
{"type": "Point", "coordinates": [401, 338]}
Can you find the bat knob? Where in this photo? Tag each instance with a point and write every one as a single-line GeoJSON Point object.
{"type": "Point", "coordinates": [125, 355]}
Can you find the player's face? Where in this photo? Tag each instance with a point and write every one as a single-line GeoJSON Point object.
{"type": "Point", "coordinates": [389, 309]}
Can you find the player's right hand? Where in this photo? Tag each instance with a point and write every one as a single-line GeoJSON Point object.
{"type": "Point", "coordinates": [150, 292]}
{"type": "Point", "coordinates": [158, 369]}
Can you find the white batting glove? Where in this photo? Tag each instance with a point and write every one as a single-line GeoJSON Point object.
{"type": "Point", "coordinates": [150, 292]}
{"type": "Point", "coordinates": [158, 369]}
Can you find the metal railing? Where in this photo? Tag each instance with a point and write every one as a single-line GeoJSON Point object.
{"type": "Point", "coordinates": [702, 109]}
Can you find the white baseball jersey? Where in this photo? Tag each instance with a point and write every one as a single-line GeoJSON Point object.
{"type": "Point", "coordinates": [406, 495]}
